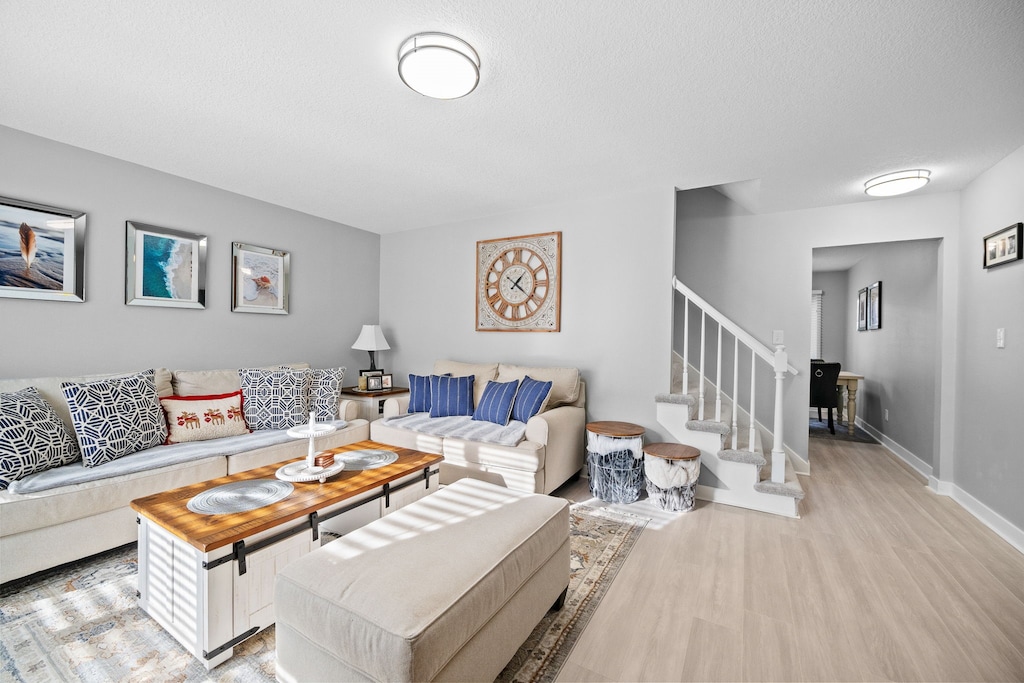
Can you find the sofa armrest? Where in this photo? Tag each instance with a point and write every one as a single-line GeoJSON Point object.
{"type": "Point", "coordinates": [562, 432]}
{"type": "Point", "coordinates": [348, 410]}
{"type": "Point", "coordinates": [393, 407]}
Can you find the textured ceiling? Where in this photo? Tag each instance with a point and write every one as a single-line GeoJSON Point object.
{"type": "Point", "coordinates": [793, 103]}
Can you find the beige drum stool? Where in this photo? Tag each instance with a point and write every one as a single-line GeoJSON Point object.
{"type": "Point", "coordinates": [671, 471]}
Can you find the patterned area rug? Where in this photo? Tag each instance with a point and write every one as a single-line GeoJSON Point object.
{"type": "Point", "coordinates": [82, 622]}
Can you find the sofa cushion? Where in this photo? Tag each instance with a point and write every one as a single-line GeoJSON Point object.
{"type": "Point", "coordinates": [50, 389]}
{"type": "Point", "coordinates": [531, 398]}
{"type": "Point", "coordinates": [115, 417]}
{"type": "Point", "coordinates": [274, 399]}
{"type": "Point", "coordinates": [199, 418]}
{"type": "Point", "coordinates": [451, 396]}
{"type": "Point", "coordinates": [496, 403]}
{"type": "Point", "coordinates": [482, 373]}
{"type": "Point", "coordinates": [324, 393]}
{"type": "Point", "coordinates": [565, 382]}
{"type": "Point", "coordinates": [459, 426]}
{"type": "Point", "coordinates": [32, 436]}
{"type": "Point", "coordinates": [211, 382]}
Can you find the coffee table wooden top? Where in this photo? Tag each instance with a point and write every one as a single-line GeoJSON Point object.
{"type": "Point", "coordinates": [209, 532]}
{"type": "Point", "coordinates": [612, 428]}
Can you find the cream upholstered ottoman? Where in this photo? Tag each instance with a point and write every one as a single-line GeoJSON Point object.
{"type": "Point", "coordinates": [446, 588]}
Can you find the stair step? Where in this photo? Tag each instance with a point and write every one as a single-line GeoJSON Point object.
{"type": "Point", "coordinates": [711, 426]}
{"type": "Point", "coordinates": [777, 489]}
{"type": "Point", "coordinates": [675, 398]}
{"type": "Point", "coordinates": [749, 457]}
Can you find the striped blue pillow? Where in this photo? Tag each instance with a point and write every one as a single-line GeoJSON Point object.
{"type": "Point", "coordinates": [419, 393]}
{"type": "Point", "coordinates": [530, 398]}
{"type": "Point", "coordinates": [496, 403]}
{"type": "Point", "coordinates": [451, 395]}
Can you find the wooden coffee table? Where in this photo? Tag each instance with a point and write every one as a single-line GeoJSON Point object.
{"type": "Point", "coordinates": [208, 579]}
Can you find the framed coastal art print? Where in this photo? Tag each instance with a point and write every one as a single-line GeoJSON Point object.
{"type": "Point", "coordinates": [862, 310]}
{"type": "Point", "coordinates": [260, 279]}
{"type": "Point", "coordinates": [164, 267]}
{"type": "Point", "coordinates": [42, 252]}
{"type": "Point", "coordinates": [1004, 245]}
{"type": "Point", "coordinates": [875, 306]}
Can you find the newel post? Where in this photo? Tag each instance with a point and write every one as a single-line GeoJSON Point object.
{"type": "Point", "coordinates": [778, 453]}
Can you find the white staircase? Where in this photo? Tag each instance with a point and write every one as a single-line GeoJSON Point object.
{"type": "Point", "coordinates": [731, 442]}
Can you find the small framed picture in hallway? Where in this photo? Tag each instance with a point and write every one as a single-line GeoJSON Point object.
{"type": "Point", "coordinates": [862, 310]}
{"type": "Point", "coordinates": [875, 306]}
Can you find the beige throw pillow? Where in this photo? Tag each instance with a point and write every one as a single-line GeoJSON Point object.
{"type": "Point", "coordinates": [199, 418]}
{"type": "Point", "coordinates": [565, 382]}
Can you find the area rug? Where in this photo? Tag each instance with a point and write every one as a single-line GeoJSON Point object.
{"type": "Point", "coordinates": [818, 429]}
{"type": "Point", "coordinates": [81, 621]}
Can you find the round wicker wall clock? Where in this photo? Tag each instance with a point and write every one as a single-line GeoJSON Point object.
{"type": "Point", "coordinates": [519, 283]}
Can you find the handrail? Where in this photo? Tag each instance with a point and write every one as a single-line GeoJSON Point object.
{"type": "Point", "coordinates": [757, 347]}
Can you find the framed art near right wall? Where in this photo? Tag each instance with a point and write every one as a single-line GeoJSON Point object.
{"type": "Point", "coordinates": [1003, 246]}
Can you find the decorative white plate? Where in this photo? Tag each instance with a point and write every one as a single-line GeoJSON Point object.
{"type": "Point", "coordinates": [239, 496]}
{"type": "Point", "coordinates": [298, 471]}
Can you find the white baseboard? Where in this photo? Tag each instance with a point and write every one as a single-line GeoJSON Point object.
{"type": "Point", "coordinates": [916, 463]}
{"type": "Point", "coordinates": [986, 515]}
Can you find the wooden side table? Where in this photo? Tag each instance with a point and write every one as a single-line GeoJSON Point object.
{"type": "Point", "coordinates": [371, 403]}
{"type": "Point", "coordinates": [615, 461]}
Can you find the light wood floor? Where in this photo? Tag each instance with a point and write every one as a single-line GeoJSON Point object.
{"type": "Point", "coordinates": [880, 580]}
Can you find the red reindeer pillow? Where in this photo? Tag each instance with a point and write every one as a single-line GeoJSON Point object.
{"type": "Point", "coordinates": [198, 418]}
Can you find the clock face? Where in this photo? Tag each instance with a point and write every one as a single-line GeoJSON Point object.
{"type": "Point", "coordinates": [517, 286]}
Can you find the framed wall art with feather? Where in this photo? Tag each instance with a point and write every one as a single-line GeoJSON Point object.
{"type": "Point", "coordinates": [42, 251]}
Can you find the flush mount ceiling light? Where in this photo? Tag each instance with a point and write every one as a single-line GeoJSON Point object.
{"type": "Point", "coordinates": [439, 65]}
{"type": "Point", "coordinates": [896, 183]}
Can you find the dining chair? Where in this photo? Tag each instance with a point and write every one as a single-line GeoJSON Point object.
{"type": "Point", "coordinates": [824, 390]}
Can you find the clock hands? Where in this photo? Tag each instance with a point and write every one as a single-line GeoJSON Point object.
{"type": "Point", "coordinates": [515, 283]}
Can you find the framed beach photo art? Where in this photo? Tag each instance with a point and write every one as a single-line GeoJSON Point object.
{"type": "Point", "coordinates": [875, 306]}
{"type": "Point", "coordinates": [42, 252]}
{"type": "Point", "coordinates": [1003, 246]}
{"type": "Point", "coordinates": [862, 310]}
{"type": "Point", "coordinates": [260, 279]}
{"type": "Point", "coordinates": [164, 267]}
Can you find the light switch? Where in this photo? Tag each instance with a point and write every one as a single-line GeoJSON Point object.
{"type": "Point", "coordinates": [777, 337]}
{"type": "Point", "coordinates": [1000, 338]}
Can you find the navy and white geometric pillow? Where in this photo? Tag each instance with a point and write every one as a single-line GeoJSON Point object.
{"type": "Point", "coordinates": [324, 392]}
{"type": "Point", "coordinates": [33, 438]}
{"type": "Point", "coordinates": [115, 417]}
{"type": "Point", "coordinates": [275, 399]}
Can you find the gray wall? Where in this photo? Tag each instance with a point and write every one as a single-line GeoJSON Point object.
{"type": "Point", "coordinates": [899, 360]}
{"type": "Point", "coordinates": [616, 299]}
{"type": "Point", "coordinates": [990, 457]}
{"type": "Point", "coordinates": [836, 313]}
{"type": "Point", "coordinates": [756, 269]}
{"type": "Point", "coordinates": [335, 274]}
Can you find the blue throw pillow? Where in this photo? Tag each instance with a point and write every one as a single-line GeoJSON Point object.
{"type": "Point", "coordinates": [451, 395]}
{"type": "Point", "coordinates": [419, 393]}
{"type": "Point", "coordinates": [530, 398]}
{"type": "Point", "coordinates": [496, 403]}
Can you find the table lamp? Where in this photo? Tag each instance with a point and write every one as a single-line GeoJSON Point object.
{"type": "Point", "coordinates": [371, 339]}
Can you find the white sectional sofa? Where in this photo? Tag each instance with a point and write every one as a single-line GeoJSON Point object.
{"type": "Point", "coordinates": [537, 456]}
{"type": "Point", "coordinates": [71, 511]}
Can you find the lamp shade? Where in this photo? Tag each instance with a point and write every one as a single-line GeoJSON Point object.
{"type": "Point", "coordinates": [371, 339]}
{"type": "Point", "coordinates": [896, 183]}
{"type": "Point", "coordinates": [438, 65]}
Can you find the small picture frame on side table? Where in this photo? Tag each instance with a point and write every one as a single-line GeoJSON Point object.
{"type": "Point", "coordinates": [385, 381]}
{"type": "Point", "coordinates": [374, 382]}
{"type": "Point", "coordinates": [371, 373]}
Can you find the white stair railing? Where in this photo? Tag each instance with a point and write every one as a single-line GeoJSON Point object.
{"type": "Point", "coordinates": [777, 360]}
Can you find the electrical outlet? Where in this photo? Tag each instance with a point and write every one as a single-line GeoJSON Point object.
{"type": "Point", "coordinates": [1000, 338]}
{"type": "Point", "coordinates": [777, 337]}
{"type": "Point", "coordinates": [885, 414]}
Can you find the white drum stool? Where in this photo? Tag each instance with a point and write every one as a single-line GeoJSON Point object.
{"type": "Point", "coordinates": [671, 471]}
